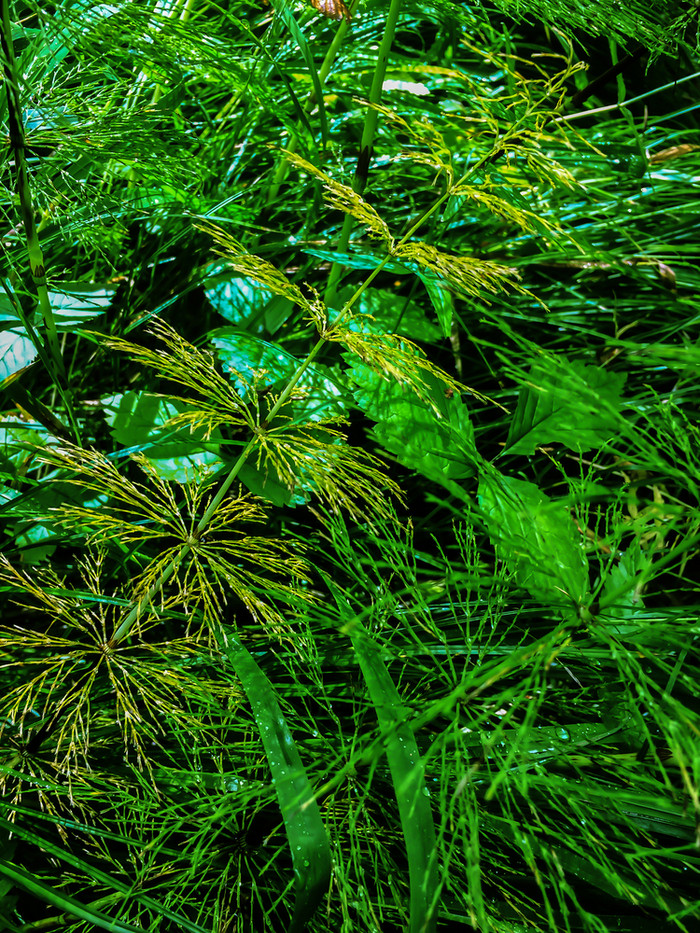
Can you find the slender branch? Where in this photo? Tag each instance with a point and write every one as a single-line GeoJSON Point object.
{"type": "Point", "coordinates": [137, 611]}
{"type": "Point", "coordinates": [283, 166]}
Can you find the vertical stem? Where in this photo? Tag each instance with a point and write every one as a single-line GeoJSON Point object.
{"type": "Point", "coordinates": [359, 182]}
{"type": "Point", "coordinates": [17, 143]}
{"type": "Point", "coordinates": [283, 166]}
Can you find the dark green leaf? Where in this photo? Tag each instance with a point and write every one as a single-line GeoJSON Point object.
{"type": "Point", "coordinates": [407, 773]}
{"type": "Point", "coordinates": [566, 403]}
{"type": "Point", "coordinates": [64, 902]}
{"type": "Point", "coordinates": [537, 538]}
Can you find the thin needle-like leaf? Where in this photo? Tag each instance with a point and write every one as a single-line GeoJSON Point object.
{"type": "Point", "coordinates": [96, 875]}
{"type": "Point", "coordinates": [64, 902]}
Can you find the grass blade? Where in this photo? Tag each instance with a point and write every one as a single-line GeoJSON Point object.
{"type": "Point", "coordinates": [409, 783]}
{"type": "Point", "coordinates": [98, 876]}
{"type": "Point", "coordinates": [306, 833]}
{"type": "Point", "coordinates": [64, 902]}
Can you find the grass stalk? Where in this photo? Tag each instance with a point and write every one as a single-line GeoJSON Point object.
{"type": "Point", "coordinates": [359, 182]}
{"type": "Point", "coordinates": [17, 143]}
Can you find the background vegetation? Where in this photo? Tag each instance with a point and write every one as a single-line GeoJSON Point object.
{"type": "Point", "coordinates": [349, 466]}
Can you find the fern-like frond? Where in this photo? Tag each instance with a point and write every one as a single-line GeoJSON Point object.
{"type": "Point", "coordinates": [320, 459]}
{"type": "Point", "coordinates": [216, 400]}
{"type": "Point", "coordinates": [252, 266]}
{"type": "Point", "coordinates": [130, 511]}
{"type": "Point", "coordinates": [470, 275]}
{"type": "Point", "coordinates": [227, 564]}
{"type": "Point", "coordinates": [71, 670]}
{"type": "Point", "coordinates": [650, 23]}
{"type": "Point", "coordinates": [205, 567]}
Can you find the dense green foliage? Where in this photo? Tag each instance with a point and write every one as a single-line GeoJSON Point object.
{"type": "Point", "coordinates": [350, 466]}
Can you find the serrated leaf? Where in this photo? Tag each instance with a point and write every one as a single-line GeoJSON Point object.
{"type": "Point", "coordinates": [268, 486]}
{"type": "Point", "coordinates": [568, 403]}
{"type": "Point", "coordinates": [78, 302]}
{"type": "Point", "coordinates": [621, 596]}
{"type": "Point", "coordinates": [440, 445]}
{"type": "Point", "coordinates": [536, 537]}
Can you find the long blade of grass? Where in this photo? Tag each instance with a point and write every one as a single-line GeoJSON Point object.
{"type": "Point", "coordinates": [63, 902]}
{"type": "Point", "coordinates": [283, 8]}
{"type": "Point", "coordinates": [306, 833]}
{"type": "Point", "coordinates": [412, 795]}
{"type": "Point", "coordinates": [96, 875]}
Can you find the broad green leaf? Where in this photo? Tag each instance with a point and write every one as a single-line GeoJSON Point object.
{"type": "Point", "coordinates": [246, 304]}
{"type": "Point", "coordinates": [251, 361]}
{"type": "Point", "coordinates": [566, 403]}
{"type": "Point", "coordinates": [78, 302]}
{"type": "Point", "coordinates": [436, 441]}
{"type": "Point", "coordinates": [537, 537]}
{"type": "Point", "coordinates": [266, 484]}
{"type": "Point", "coordinates": [394, 314]}
{"type": "Point", "coordinates": [542, 742]}
{"type": "Point", "coordinates": [407, 774]}
{"type": "Point", "coordinates": [16, 352]}
{"type": "Point", "coordinates": [308, 840]}
{"type": "Point", "coordinates": [139, 422]}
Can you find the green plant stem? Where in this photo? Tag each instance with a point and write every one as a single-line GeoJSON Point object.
{"type": "Point", "coordinates": [38, 410]}
{"type": "Point", "coordinates": [125, 626]}
{"type": "Point", "coordinates": [283, 166]}
{"type": "Point", "coordinates": [359, 182]}
{"type": "Point", "coordinates": [137, 610]}
{"type": "Point", "coordinates": [17, 143]}
{"type": "Point", "coordinates": [549, 645]}
{"type": "Point", "coordinates": [624, 103]}
{"type": "Point", "coordinates": [427, 213]}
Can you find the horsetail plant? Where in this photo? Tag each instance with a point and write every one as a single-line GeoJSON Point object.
{"type": "Point", "coordinates": [303, 631]}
